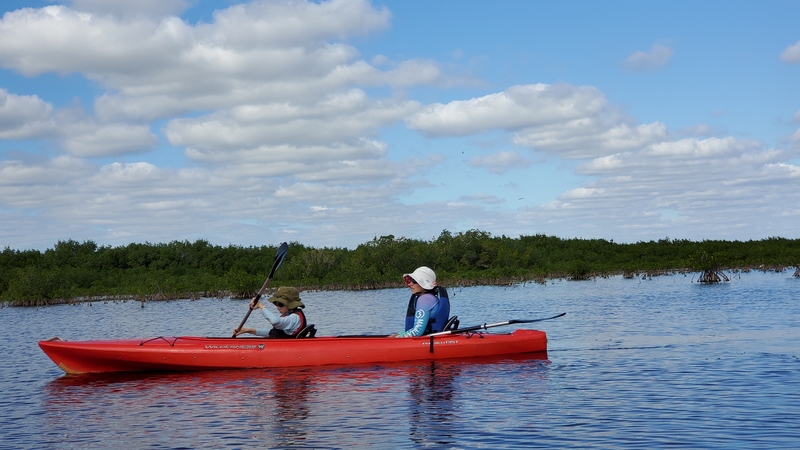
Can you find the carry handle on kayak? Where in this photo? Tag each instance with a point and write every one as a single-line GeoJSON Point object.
{"type": "Point", "coordinates": [279, 256]}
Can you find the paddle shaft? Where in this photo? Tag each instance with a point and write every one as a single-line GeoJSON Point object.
{"type": "Point", "coordinates": [491, 325]}
{"type": "Point", "coordinates": [279, 256]}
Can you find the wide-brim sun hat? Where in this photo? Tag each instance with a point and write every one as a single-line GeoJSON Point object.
{"type": "Point", "coordinates": [289, 296]}
{"type": "Point", "coordinates": [424, 277]}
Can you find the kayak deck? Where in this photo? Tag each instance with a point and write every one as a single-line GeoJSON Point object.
{"type": "Point", "coordinates": [181, 353]}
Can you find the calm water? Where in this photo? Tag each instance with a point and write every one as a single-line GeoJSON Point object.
{"type": "Point", "coordinates": [634, 364]}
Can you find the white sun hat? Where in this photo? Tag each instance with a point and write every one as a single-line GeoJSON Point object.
{"type": "Point", "coordinates": [424, 277]}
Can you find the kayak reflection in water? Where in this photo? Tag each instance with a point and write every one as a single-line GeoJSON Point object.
{"type": "Point", "coordinates": [432, 394]}
{"type": "Point", "coordinates": [428, 308]}
{"type": "Point", "coordinates": [288, 322]}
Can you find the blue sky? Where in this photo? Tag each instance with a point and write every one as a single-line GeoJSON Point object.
{"type": "Point", "coordinates": [333, 122]}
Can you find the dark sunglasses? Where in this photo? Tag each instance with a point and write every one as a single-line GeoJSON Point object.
{"type": "Point", "coordinates": [278, 304]}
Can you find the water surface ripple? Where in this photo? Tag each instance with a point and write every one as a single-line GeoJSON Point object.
{"type": "Point", "coordinates": [654, 363]}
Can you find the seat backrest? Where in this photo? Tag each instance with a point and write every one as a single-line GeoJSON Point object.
{"type": "Point", "coordinates": [308, 332]}
{"type": "Point", "coordinates": [452, 324]}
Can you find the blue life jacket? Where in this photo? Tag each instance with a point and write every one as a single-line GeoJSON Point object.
{"type": "Point", "coordinates": [280, 334]}
{"type": "Point", "coordinates": [438, 320]}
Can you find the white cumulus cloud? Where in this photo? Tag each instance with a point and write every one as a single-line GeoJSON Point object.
{"type": "Point", "coordinates": [516, 108]}
{"type": "Point", "coordinates": [501, 162]}
{"type": "Point", "coordinates": [574, 122]}
{"type": "Point", "coordinates": [792, 54]}
{"type": "Point", "coordinates": [658, 56]}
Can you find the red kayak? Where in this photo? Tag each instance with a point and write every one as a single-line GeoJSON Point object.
{"type": "Point", "coordinates": [204, 353]}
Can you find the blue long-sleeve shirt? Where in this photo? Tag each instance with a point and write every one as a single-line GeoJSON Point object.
{"type": "Point", "coordinates": [427, 305]}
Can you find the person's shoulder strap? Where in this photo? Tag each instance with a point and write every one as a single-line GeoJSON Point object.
{"type": "Point", "coordinates": [302, 315]}
{"type": "Point", "coordinates": [412, 305]}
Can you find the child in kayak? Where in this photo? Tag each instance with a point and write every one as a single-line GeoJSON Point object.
{"type": "Point", "coordinates": [288, 322]}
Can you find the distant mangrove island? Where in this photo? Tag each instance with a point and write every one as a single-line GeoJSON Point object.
{"type": "Point", "coordinates": [83, 271]}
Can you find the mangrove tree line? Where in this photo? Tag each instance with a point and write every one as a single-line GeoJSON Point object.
{"type": "Point", "coordinates": [75, 271]}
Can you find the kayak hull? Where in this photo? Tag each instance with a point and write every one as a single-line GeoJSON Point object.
{"type": "Point", "coordinates": [183, 353]}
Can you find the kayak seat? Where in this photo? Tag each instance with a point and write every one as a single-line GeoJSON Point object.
{"type": "Point", "coordinates": [308, 332]}
{"type": "Point", "coordinates": [452, 324]}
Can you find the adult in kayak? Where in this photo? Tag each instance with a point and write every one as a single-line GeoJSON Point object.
{"type": "Point", "coordinates": [428, 308]}
{"type": "Point", "coordinates": [288, 322]}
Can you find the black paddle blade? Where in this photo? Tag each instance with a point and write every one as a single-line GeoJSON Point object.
{"type": "Point", "coordinates": [280, 255]}
{"type": "Point", "coordinates": [536, 320]}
